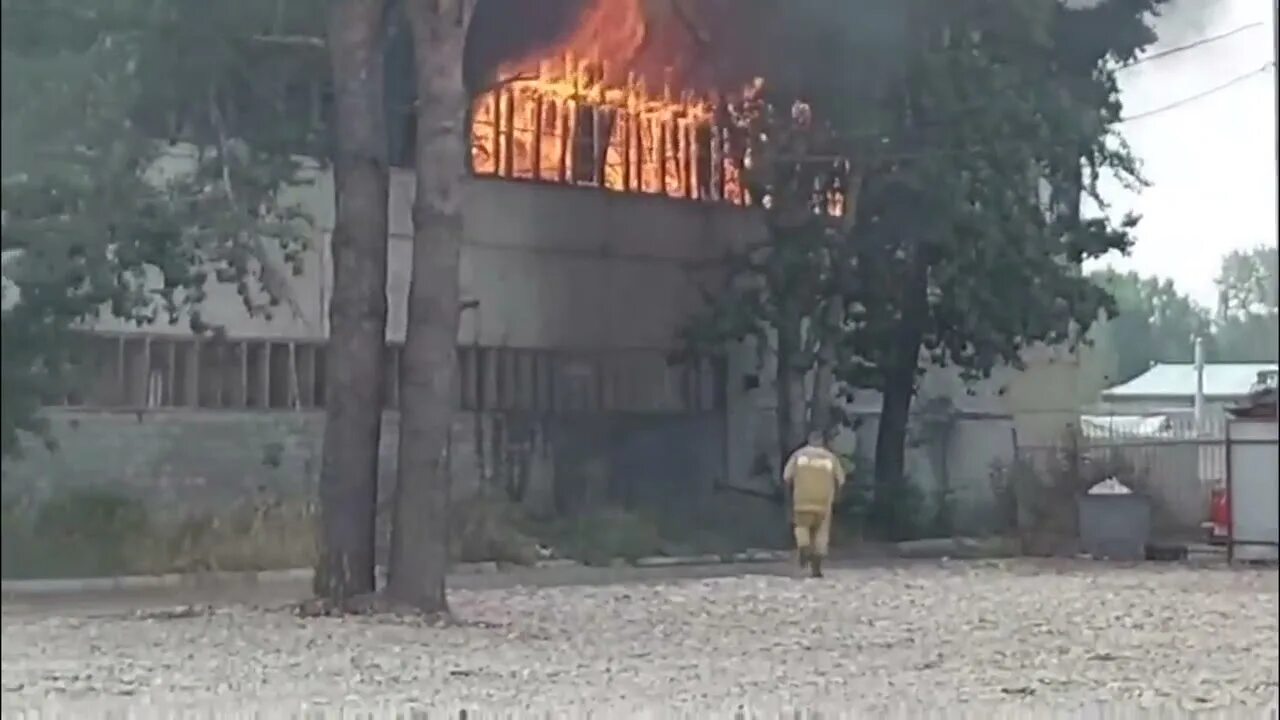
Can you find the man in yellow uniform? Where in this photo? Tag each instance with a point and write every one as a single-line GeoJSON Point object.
{"type": "Point", "coordinates": [815, 476]}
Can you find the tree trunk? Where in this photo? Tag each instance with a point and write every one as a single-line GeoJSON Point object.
{"type": "Point", "coordinates": [824, 371]}
{"type": "Point", "coordinates": [358, 307]}
{"type": "Point", "coordinates": [895, 412]}
{"type": "Point", "coordinates": [789, 392]}
{"type": "Point", "coordinates": [824, 379]}
{"type": "Point", "coordinates": [428, 370]}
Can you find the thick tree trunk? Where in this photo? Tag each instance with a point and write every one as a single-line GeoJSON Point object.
{"type": "Point", "coordinates": [358, 307]}
{"type": "Point", "coordinates": [895, 412]}
{"type": "Point", "coordinates": [428, 370]}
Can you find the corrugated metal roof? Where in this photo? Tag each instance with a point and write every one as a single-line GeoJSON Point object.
{"type": "Point", "coordinates": [1104, 426]}
{"type": "Point", "coordinates": [1179, 380]}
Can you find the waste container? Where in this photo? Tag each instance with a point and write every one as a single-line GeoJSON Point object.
{"type": "Point", "coordinates": [1115, 522]}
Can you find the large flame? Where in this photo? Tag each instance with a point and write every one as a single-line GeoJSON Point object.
{"type": "Point", "coordinates": [590, 110]}
{"type": "Point", "coordinates": [612, 32]}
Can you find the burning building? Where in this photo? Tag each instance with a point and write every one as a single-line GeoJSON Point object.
{"type": "Point", "coordinates": [608, 191]}
{"type": "Point", "coordinates": [612, 101]}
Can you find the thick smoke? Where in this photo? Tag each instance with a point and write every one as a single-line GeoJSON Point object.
{"type": "Point", "coordinates": [713, 45]}
{"type": "Point", "coordinates": [696, 43]}
{"type": "Point", "coordinates": [503, 30]}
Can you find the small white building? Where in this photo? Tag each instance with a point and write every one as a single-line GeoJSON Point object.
{"type": "Point", "coordinates": [1170, 388]}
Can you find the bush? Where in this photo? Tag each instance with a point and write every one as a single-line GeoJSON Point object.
{"type": "Point", "coordinates": [898, 514]}
{"type": "Point", "coordinates": [83, 532]}
{"type": "Point", "coordinates": [92, 532]}
{"type": "Point", "coordinates": [260, 533]}
{"type": "Point", "coordinates": [486, 529]}
{"type": "Point", "coordinates": [1037, 493]}
{"type": "Point", "coordinates": [597, 538]}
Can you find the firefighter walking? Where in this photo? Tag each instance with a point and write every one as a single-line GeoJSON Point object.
{"type": "Point", "coordinates": [815, 475]}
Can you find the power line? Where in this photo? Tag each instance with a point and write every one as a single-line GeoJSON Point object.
{"type": "Point", "coordinates": [1200, 95]}
{"type": "Point", "coordinates": [1189, 46]}
{"type": "Point", "coordinates": [1018, 142]}
{"type": "Point", "coordinates": [1157, 56]}
{"type": "Point", "coordinates": [1007, 142]}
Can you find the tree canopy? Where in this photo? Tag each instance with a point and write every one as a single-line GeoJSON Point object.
{"type": "Point", "coordinates": [966, 239]}
{"type": "Point", "coordinates": [135, 170]}
{"type": "Point", "coordinates": [1248, 319]}
{"type": "Point", "coordinates": [1155, 322]}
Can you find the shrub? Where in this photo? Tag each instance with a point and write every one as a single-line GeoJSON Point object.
{"type": "Point", "coordinates": [489, 529]}
{"type": "Point", "coordinates": [88, 532]}
{"type": "Point", "coordinates": [83, 532]}
{"type": "Point", "coordinates": [599, 537]}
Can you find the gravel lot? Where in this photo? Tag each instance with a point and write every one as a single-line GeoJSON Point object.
{"type": "Point", "coordinates": [958, 635]}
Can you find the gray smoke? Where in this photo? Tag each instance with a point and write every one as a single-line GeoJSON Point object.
{"type": "Point", "coordinates": [1184, 21]}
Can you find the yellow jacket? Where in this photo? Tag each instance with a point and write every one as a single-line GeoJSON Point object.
{"type": "Point", "coordinates": [816, 474]}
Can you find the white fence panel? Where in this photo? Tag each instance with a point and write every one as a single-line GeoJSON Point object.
{"type": "Point", "coordinates": [1253, 458]}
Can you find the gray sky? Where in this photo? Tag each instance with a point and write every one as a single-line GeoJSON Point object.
{"type": "Point", "coordinates": [1211, 162]}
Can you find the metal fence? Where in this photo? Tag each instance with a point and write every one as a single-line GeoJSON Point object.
{"type": "Point", "coordinates": [1174, 460]}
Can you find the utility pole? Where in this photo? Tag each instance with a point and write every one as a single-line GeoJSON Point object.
{"type": "Point", "coordinates": [1199, 397]}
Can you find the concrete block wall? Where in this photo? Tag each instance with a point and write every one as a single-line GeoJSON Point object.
{"type": "Point", "coordinates": [205, 462]}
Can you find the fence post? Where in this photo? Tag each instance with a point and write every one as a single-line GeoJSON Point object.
{"type": "Point", "coordinates": [1231, 521]}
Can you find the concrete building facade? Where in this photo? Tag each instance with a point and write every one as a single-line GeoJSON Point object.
{"type": "Point", "coordinates": [569, 396]}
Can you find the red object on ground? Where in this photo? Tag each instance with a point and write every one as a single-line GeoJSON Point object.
{"type": "Point", "coordinates": [1219, 515]}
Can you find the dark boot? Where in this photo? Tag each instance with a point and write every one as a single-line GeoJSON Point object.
{"type": "Point", "coordinates": [803, 554]}
{"type": "Point", "coordinates": [815, 566]}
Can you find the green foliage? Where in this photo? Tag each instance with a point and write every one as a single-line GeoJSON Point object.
{"type": "Point", "coordinates": [82, 533]}
{"type": "Point", "coordinates": [487, 529]}
{"type": "Point", "coordinates": [853, 505]}
{"type": "Point", "coordinates": [1156, 323]}
{"type": "Point", "coordinates": [598, 538]}
{"type": "Point", "coordinates": [783, 281]}
{"type": "Point", "coordinates": [713, 526]}
{"type": "Point", "coordinates": [94, 532]}
{"type": "Point", "coordinates": [1249, 282]}
{"type": "Point", "coordinates": [901, 512]}
{"type": "Point", "coordinates": [1153, 322]}
{"type": "Point", "coordinates": [1248, 322]}
{"type": "Point", "coordinates": [145, 146]}
{"type": "Point", "coordinates": [958, 234]}
{"type": "Point", "coordinates": [971, 158]}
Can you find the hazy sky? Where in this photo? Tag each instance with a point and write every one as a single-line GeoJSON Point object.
{"type": "Point", "coordinates": [1211, 162]}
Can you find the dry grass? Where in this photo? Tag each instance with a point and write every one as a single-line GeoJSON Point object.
{"type": "Point", "coordinates": [91, 532]}
{"type": "Point", "coordinates": [258, 536]}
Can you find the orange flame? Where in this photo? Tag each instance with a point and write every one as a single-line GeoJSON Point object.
{"type": "Point", "coordinates": [609, 31]}
{"type": "Point", "coordinates": [583, 113]}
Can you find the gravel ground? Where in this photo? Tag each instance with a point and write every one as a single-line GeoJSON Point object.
{"type": "Point", "coordinates": [951, 635]}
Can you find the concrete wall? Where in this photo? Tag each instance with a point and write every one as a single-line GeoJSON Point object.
{"type": "Point", "coordinates": [183, 462]}
{"type": "Point", "coordinates": [575, 268]}
{"type": "Point", "coordinates": [551, 266]}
